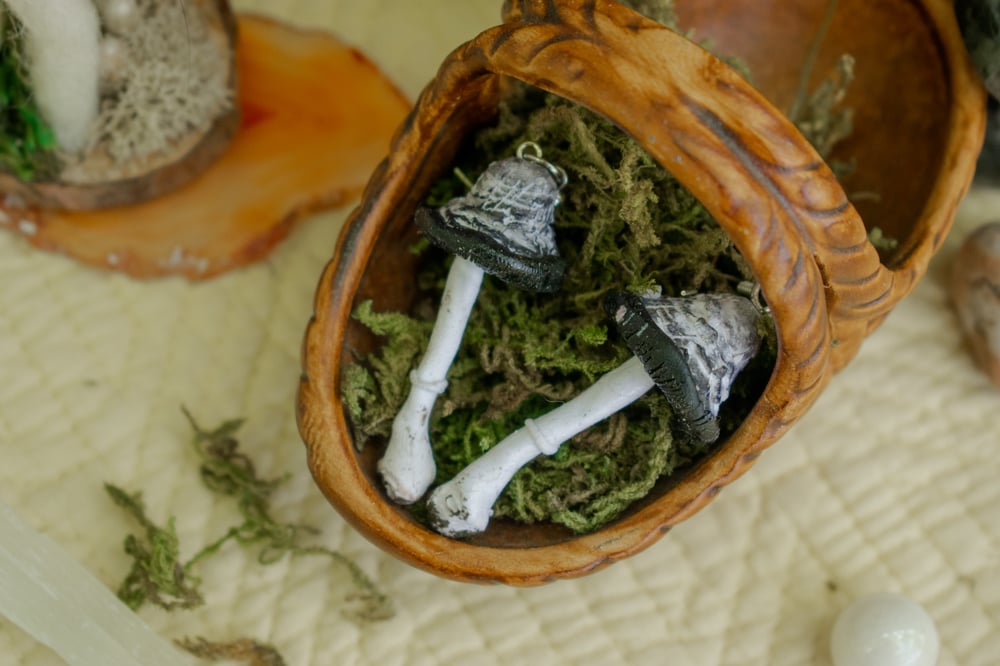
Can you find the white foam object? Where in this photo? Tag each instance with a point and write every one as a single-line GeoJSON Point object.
{"type": "Point", "coordinates": [62, 48]}
{"type": "Point", "coordinates": [407, 467]}
{"type": "Point", "coordinates": [884, 630]}
{"type": "Point", "coordinates": [50, 595]}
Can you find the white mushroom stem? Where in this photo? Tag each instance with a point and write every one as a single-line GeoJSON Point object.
{"type": "Point", "coordinates": [407, 467]}
{"type": "Point", "coordinates": [62, 48]}
{"type": "Point", "coordinates": [464, 504]}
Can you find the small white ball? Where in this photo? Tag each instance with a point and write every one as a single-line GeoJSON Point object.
{"type": "Point", "coordinates": [119, 16]}
{"type": "Point", "coordinates": [884, 630]}
{"type": "Point", "coordinates": [113, 62]}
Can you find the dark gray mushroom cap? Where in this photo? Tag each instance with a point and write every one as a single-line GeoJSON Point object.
{"type": "Point", "coordinates": [692, 348]}
{"type": "Point", "coordinates": [503, 225]}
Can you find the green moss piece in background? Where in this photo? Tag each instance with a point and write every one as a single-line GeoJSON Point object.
{"type": "Point", "coordinates": [27, 143]}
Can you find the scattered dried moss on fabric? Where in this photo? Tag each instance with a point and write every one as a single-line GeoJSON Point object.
{"type": "Point", "coordinates": [159, 575]}
{"type": "Point", "coordinates": [625, 224]}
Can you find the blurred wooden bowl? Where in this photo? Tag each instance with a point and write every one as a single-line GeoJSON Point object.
{"type": "Point", "coordinates": [919, 123]}
{"type": "Point", "coordinates": [100, 185]}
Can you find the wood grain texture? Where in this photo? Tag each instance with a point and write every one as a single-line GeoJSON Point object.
{"type": "Point", "coordinates": [779, 202]}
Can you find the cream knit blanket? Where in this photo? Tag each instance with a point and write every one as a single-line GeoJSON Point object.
{"type": "Point", "coordinates": [890, 482]}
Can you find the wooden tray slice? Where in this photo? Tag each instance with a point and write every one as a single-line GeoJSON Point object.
{"type": "Point", "coordinates": [316, 118]}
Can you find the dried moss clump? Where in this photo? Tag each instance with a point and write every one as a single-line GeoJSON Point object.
{"type": "Point", "coordinates": [27, 143]}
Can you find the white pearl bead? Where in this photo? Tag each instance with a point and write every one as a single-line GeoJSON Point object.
{"type": "Point", "coordinates": [119, 16]}
{"type": "Point", "coordinates": [884, 630]}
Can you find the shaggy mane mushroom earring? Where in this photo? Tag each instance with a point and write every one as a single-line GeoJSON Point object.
{"type": "Point", "coordinates": [691, 347]}
{"type": "Point", "coordinates": [503, 227]}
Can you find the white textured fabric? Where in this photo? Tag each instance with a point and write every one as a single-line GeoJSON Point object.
{"type": "Point", "coordinates": [889, 483]}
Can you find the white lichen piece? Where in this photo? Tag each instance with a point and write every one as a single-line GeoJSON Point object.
{"type": "Point", "coordinates": [62, 49]}
{"type": "Point", "coordinates": [463, 506]}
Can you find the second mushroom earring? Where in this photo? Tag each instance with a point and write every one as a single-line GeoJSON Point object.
{"type": "Point", "coordinates": [504, 227]}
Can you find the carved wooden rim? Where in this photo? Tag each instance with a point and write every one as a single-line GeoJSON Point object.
{"type": "Point", "coordinates": [761, 180]}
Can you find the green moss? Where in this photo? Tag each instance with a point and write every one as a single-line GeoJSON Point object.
{"type": "Point", "coordinates": [980, 23]}
{"type": "Point", "coordinates": [625, 223]}
{"type": "Point", "coordinates": [822, 119]}
{"type": "Point", "coordinates": [884, 244]}
{"type": "Point", "coordinates": [156, 574]}
{"type": "Point", "coordinates": [27, 144]}
{"type": "Point", "coordinates": [374, 392]}
{"type": "Point", "coordinates": [159, 575]}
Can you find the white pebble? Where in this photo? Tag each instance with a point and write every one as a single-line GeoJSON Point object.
{"type": "Point", "coordinates": [113, 64]}
{"type": "Point", "coordinates": [884, 630]}
{"type": "Point", "coordinates": [119, 16]}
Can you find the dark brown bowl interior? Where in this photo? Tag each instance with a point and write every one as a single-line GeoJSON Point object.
{"type": "Point", "coordinates": [901, 94]}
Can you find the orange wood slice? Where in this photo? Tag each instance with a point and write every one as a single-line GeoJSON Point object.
{"type": "Point", "coordinates": [317, 117]}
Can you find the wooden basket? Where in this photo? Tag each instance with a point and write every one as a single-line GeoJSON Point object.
{"type": "Point", "coordinates": [919, 124]}
{"type": "Point", "coordinates": [159, 173]}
